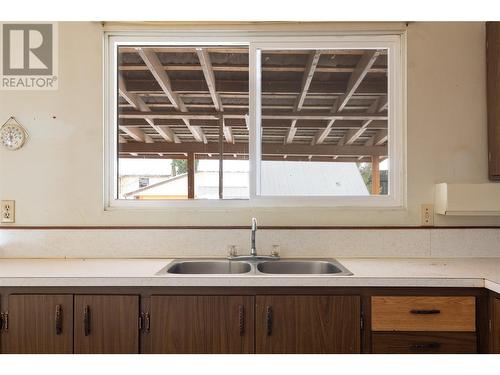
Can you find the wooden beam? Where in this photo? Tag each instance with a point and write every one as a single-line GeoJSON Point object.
{"type": "Point", "coordinates": [312, 62]}
{"type": "Point", "coordinates": [208, 72]}
{"type": "Point", "coordinates": [244, 68]}
{"type": "Point", "coordinates": [375, 175]}
{"type": "Point", "coordinates": [271, 115]}
{"type": "Point", "coordinates": [240, 123]}
{"type": "Point", "coordinates": [228, 132]}
{"type": "Point", "coordinates": [153, 63]}
{"type": "Point", "coordinates": [240, 87]}
{"type": "Point", "coordinates": [190, 173]}
{"type": "Point", "coordinates": [242, 148]}
{"type": "Point", "coordinates": [244, 50]}
{"type": "Point", "coordinates": [137, 134]}
{"type": "Point", "coordinates": [352, 135]}
{"type": "Point", "coordinates": [247, 121]}
{"type": "Point", "coordinates": [156, 68]}
{"type": "Point", "coordinates": [378, 139]}
{"type": "Point", "coordinates": [357, 76]}
{"type": "Point", "coordinates": [327, 159]}
{"type": "Point", "coordinates": [290, 134]}
{"type": "Point", "coordinates": [322, 134]}
{"type": "Point", "coordinates": [132, 98]}
{"type": "Point", "coordinates": [138, 103]}
{"type": "Point", "coordinates": [167, 133]}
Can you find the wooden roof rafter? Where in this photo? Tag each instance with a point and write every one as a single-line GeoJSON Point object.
{"type": "Point", "coordinates": [357, 76]}
{"type": "Point", "coordinates": [137, 102]}
{"type": "Point", "coordinates": [303, 115]}
{"type": "Point", "coordinates": [306, 82]}
{"type": "Point", "coordinates": [307, 98]}
{"type": "Point", "coordinates": [153, 63]}
{"type": "Point", "coordinates": [267, 148]}
{"type": "Point", "coordinates": [353, 134]}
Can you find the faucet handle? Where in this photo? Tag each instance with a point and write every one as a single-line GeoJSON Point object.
{"type": "Point", "coordinates": [275, 252]}
{"type": "Point", "coordinates": [232, 251]}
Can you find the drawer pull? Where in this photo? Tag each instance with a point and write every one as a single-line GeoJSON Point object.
{"type": "Point", "coordinates": [269, 320]}
{"type": "Point", "coordinates": [86, 320]}
{"type": "Point", "coordinates": [425, 312]}
{"type": "Point", "coordinates": [425, 345]}
{"type": "Point", "coordinates": [241, 317]}
{"type": "Point", "coordinates": [59, 320]}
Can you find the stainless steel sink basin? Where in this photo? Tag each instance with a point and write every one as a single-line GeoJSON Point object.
{"type": "Point", "coordinates": [298, 267]}
{"type": "Point", "coordinates": [206, 267]}
{"type": "Point", "coordinates": [256, 267]}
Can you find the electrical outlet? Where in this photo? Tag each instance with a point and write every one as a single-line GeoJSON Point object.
{"type": "Point", "coordinates": [427, 215]}
{"type": "Point", "coordinates": [8, 209]}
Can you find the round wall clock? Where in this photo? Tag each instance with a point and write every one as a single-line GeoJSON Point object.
{"type": "Point", "coordinates": [12, 135]}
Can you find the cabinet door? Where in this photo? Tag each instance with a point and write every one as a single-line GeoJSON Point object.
{"type": "Point", "coordinates": [496, 325]}
{"type": "Point", "coordinates": [202, 324]}
{"type": "Point", "coordinates": [106, 324]}
{"type": "Point", "coordinates": [308, 324]}
{"type": "Point", "coordinates": [39, 324]}
{"type": "Point", "coordinates": [493, 97]}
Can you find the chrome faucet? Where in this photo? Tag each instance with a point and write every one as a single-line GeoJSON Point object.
{"type": "Point", "coordinates": [253, 249]}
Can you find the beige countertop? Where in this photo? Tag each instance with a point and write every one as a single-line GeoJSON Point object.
{"type": "Point", "coordinates": [421, 272]}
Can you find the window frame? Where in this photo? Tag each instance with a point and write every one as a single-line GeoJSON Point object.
{"type": "Point", "coordinates": [393, 40]}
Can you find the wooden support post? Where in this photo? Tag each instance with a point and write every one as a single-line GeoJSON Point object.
{"type": "Point", "coordinates": [375, 175]}
{"type": "Point", "coordinates": [190, 172]}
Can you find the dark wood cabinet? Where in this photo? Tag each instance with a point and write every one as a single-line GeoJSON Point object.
{"type": "Point", "coordinates": [38, 324]}
{"type": "Point", "coordinates": [248, 320]}
{"type": "Point", "coordinates": [106, 324]}
{"type": "Point", "coordinates": [424, 324]}
{"type": "Point", "coordinates": [202, 324]}
{"type": "Point", "coordinates": [308, 324]}
{"type": "Point", "coordinates": [495, 324]}
{"type": "Point", "coordinates": [493, 97]}
{"type": "Point", "coordinates": [424, 343]}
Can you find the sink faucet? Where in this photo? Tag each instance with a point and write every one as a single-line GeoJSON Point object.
{"type": "Point", "coordinates": [253, 249]}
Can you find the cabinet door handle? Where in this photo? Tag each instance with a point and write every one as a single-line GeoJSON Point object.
{"type": "Point", "coordinates": [147, 322]}
{"type": "Point", "coordinates": [59, 319]}
{"type": "Point", "coordinates": [241, 316]}
{"type": "Point", "coordinates": [4, 321]}
{"type": "Point", "coordinates": [269, 320]}
{"type": "Point", "coordinates": [425, 345]}
{"type": "Point", "coordinates": [425, 312]}
{"type": "Point", "coordinates": [86, 320]}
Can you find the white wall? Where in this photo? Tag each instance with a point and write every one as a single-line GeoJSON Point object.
{"type": "Point", "coordinates": [56, 179]}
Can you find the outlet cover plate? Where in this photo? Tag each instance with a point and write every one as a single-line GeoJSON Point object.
{"type": "Point", "coordinates": [427, 215]}
{"type": "Point", "coordinates": [8, 211]}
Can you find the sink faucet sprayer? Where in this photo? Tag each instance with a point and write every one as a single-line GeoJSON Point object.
{"type": "Point", "coordinates": [253, 249]}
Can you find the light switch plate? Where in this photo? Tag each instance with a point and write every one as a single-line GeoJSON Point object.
{"type": "Point", "coordinates": [427, 215]}
{"type": "Point", "coordinates": [8, 211]}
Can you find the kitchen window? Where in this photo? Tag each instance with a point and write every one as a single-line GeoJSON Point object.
{"type": "Point", "coordinates": [264, 120]}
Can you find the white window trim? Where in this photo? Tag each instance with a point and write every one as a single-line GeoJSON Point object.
{"type": "Point", "coordinates": [395, 41]}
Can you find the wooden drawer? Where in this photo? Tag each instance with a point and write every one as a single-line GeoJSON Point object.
{"type": "Point", "coordinates": [457, 314]}
{"type": "Point", "coordinates": [424, 343]}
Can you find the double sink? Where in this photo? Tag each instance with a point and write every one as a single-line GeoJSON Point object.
{"type": "Point", "coordinates": [256, 267]}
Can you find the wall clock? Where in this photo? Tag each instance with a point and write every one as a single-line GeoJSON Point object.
{"type": "Point", "coordinates": [13, 135]}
